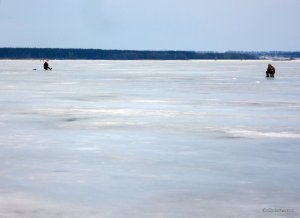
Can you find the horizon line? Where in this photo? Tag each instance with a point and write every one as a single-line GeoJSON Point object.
{"type": "Point", "coordinates": [201, 51]}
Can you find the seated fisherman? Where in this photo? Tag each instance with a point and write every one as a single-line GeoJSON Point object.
{"type": "Point", "coordinates": [46, 66]}
{"type": "Point", "coordinates": [270, 71]}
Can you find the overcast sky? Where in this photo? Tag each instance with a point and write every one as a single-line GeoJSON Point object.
{"type": "Point", "coordinates": [209, 25]}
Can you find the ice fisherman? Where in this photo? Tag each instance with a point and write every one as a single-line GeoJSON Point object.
{"type": "Point", "coordinates": [270, 71]}
{"type": "Point", "coordinates": [46, 66]}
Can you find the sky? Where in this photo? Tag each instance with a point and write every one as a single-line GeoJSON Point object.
{"type": "Point", "coordinates": [200, 25]}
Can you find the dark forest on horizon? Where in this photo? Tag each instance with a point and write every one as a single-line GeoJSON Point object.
{"type": "Point", "coordinates": [99, 54]}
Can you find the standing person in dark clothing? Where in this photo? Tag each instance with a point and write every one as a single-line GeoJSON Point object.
{"type": "Point", "coordinates": [46, 66]}
{"type": "Point", "coordinates": [270, 71]}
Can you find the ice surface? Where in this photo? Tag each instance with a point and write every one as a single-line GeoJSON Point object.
{"type": "Point", "coordinates": [149, 139]}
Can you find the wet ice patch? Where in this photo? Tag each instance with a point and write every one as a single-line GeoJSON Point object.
{"type": "Point", "coordinates": [149, 101]}
{"type": "Point", "coordinates": [19, 205]}
{"type": "Point", "coordinates": [119, 112]}
{"type": "Point", "coordinates": [66, 83]}
{"type": "Point", "coordinates": [87, 149]}
{"type": "Point", "coordinates": [257, 134]}
{"type": "Point", "coordinates": [245, 133]}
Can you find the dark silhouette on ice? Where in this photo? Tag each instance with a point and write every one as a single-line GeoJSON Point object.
{"type": "Point", "coordinates": [270, 71]}
{"type": "Point", "coordinates": [46, 66]}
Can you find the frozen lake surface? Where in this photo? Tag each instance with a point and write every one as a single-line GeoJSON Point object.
{"type": "Point", "coordinates": [163, 139]}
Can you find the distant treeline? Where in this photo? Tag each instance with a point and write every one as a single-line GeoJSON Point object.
{"type": "Point", "coordinates": [99, 54]}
